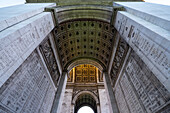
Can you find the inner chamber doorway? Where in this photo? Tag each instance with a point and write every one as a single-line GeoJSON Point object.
{"type": "Point", "coordinates": [85, 100]}
{"type": "Point", "coordinates": [85, 87]}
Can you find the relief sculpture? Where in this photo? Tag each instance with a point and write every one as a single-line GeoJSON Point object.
{"type": "Point", "coordinates": [50, 60]}
{"type": "Point", "coordinates": [118, 60]}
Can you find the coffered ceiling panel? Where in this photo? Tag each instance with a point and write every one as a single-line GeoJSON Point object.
{"type": "Point", "coordinates": [84, 39]}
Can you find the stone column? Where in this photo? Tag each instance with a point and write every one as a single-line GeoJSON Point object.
{"type": "Point", "coordinates": [72, 108]}
{"type": "Point", "coordinates": [98, 108]}
{"type": "Point", "coordinates": [59, 93]}
{"type": "Point", "coordinates": [110, 93]}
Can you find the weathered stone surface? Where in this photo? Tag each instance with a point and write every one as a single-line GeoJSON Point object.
{"type": "Point", "coordinates": [66, 104]}
{"type": "Point", "coordinates": [15, 14]}
{"type": "Point", "coordinates": [142, 90]}
{"type": "Point", "coordinates": [73, 2]}
{"type": "Point", "coordinates": [27, 89]}
{"type": "Point", "coordinates": [120, 54]}
{"type": "Point", "coordinates": [121, 102]}
{"type": "Point", "coordinates": [130, 96]}
{"type": "Point", "coordinates": [144, 85]}
{"type": "Point", "coordinates": [154, 13]}
{"type": "Point", "coordinates": [149, 41]}
{"type": "Point", "coordinates": [104, 103]}
{"type": "Point", "coordinates": [18, 42]}
{"type": "Point", "coordinates": [102, 13]}
{"type": "Point", "coordinates": [50, 59]}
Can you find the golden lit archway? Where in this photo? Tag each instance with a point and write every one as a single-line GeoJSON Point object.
{"type": "Point", "coordinates": [85, 73]}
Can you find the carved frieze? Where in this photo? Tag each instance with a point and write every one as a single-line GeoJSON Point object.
{"type": "Point", "coordinates": [118, 59]}
{"type": "Point", "coordinates": [50, 60]}
{"type": "Point", "coordinates": [70, 78]}
{"type": "Point", "coordinates": [100, 76]}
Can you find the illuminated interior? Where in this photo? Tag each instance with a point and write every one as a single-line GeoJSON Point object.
{"type": "Point", "coordinates": [85, 73]}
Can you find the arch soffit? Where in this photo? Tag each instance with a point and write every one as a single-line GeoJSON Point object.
{"type": "Point", "coordinates": [81, 39]}
{"type": "Point", "coordinates": [85, 92]}
{"type": "Point", "coordinates": [85, 61]}
{"type": "Point", "coordinates": [65, 13]}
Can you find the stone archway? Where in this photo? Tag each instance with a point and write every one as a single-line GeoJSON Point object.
{"type": "Point", "coordinates": [85, 92]}
{"type": "Point", "coordinates": [85, 61]}
{"type": "Point", "coordinates": [128, 42]}
{"type": "Point", "coordinates": [85, 98]}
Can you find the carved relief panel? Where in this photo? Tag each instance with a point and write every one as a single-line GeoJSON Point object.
{"type": "Point", "coordinates": [118, 59]}
{"type": "Point", "coordinates": [50, 60]}
{"type": "Point", "coordinates": [70, 78]}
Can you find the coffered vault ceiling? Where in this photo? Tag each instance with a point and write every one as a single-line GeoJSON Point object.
{"type": "Point", "coordinates": [89, 39]}
{"type": "Point", "coordinates": [83, 30]}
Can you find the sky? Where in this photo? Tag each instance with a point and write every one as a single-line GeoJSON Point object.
{"type": "Point", "coordinates": [164, 2]}
{"type": "Point", "coordinates": [5, 3]}
{"type": "Point", "coordinates": [85, 109]}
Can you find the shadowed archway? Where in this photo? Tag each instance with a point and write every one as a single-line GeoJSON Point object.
{"type": "Point", "coordinates": [85, 99]}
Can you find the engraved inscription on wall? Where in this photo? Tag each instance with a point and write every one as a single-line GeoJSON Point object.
{"type": "Point", "coordinates": [147, 47]}
{"type": "Point", "coordinates": [141, 88]}
{"type": "Point", "coordinates": [50, 60]}
{"type": "Point", "coordinates": [155, 53]}
{"type": "Point", "coordinates": [27, 90]}
{"type": "Point", "coordinates": [18, 43]}
{"type": "Point", "coordinates": [121, 102]}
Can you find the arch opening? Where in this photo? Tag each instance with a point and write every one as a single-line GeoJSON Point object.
{"type": "Point", "coordinates": [85, 61]}
{"type": "Point", "coordinates": [85, 99]}
{"type": "Point", "coordinates": [85, 109]}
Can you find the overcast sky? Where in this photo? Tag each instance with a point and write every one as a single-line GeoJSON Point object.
{"type": "Point", "coordinates": [85, 109]}
{"type": "Point", "coordinates": [5, 3]}
{"type": "Point", "coordinates": [164, 2]}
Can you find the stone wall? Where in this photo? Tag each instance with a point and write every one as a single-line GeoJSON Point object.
{"type": "Point", "coordinates": [145, 28]}
{"type": "Point", "coordinates": [139, 90]}
{"type": "Point", "coordinates": [50, 59]}
{"type": "Point", "coordinates": [19, 41]}
{"type": "Point", "coordinates": [28, 90]}
{"type": "Point", "coordinates": [66, 104]}
{"type": "Point", "coordinates": [104, 102]}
